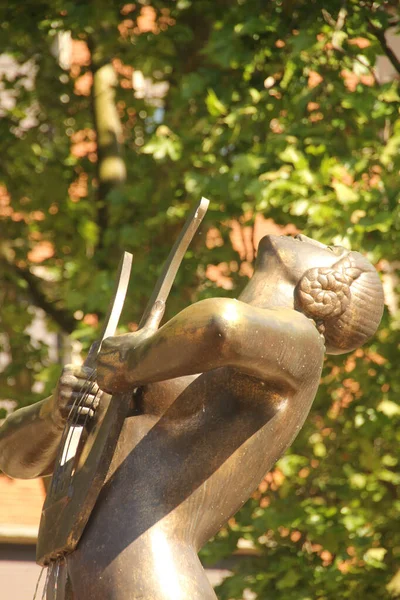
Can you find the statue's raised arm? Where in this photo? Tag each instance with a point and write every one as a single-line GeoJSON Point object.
{"type": "Point", "coordinates": [303, 295]}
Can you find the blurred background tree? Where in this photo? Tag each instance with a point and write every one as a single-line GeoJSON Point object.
{"type": "Point", "coordinates": [115, 119]}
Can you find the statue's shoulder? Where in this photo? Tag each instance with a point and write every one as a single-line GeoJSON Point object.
{"type": "Point", "coordinates": [304, 345]}
{"type": "Point", "coordinates": [295, 321]}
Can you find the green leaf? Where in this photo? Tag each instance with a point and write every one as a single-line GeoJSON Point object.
{"type": "Point", "coordinates": [375, 556]}
{"type": "Point", "coordinates": [345, 194]}
{"type": "Point", "coordinates": [389, 408]}
{"type": "Point", "coordinates": [292, 155]}
{"type": "Point", "coordinates": [290, 70]}
{"type": "Point", "coordinates": [215, 107]}
{"type": "Point", "coordinates": [289, 580]}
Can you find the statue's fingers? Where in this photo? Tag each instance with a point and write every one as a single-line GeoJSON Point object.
{"type": "Point", "coordinates": [86, 411]}
{"type": "Point", "coordinates": [81, 372]}
{"type": "Point", "coordinates": [65, 394]}
{"type": "Point", "coordinates": [85, 385]}
{"type": "Point", "coordinates": [68, 380]}
{"type": "Point", "coordinates": [92, 400]}
{"type": "Point", "coordinates": [94, 388]}
{"type": "Point", "coordinates": [77, 384]}
{"type": "Point", "coordinates": [81, 414]}
{"type": "Point", "coordinates": [74, 410]}
{"type": "Point", "coordinates": [84, 373]}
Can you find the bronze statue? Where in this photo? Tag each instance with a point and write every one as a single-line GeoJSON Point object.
{"type": "Point", "coordinates": [87, 445]}
{"type": "Point", "coordinates": [221, 390]}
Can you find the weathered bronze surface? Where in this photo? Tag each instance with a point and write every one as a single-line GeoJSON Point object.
{"type": "Point", "coordinates": [78, 479]}
{"type": "Point", "coordinates": [222, 390]}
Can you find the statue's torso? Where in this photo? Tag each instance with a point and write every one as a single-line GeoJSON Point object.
{"type": "Point", "coordinates": [191, 456]}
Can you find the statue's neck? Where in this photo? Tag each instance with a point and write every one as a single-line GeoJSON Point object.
{"type": "Point", "coordinates": [268, 291]}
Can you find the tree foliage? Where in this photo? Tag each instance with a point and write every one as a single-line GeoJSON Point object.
{"type": "Point", "coordinates": [266, 108]}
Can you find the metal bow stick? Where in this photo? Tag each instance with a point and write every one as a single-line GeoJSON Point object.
{"type": "Point", "coordinates": [86, 449]}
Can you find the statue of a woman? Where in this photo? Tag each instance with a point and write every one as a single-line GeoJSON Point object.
{"type": "Point", "coordinates": [222, 389]}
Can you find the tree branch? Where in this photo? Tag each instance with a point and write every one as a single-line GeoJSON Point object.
{"type": "Point", "coordinates": [61, 317]}
{"type": "Point", "coordinates": [380, 36]}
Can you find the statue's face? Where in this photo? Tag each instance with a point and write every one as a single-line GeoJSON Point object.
{"type": "Point", "coordinates": [293, 256]}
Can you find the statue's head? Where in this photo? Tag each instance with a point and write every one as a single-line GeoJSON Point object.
{"type": "Point", "coordinates": [339, 289]}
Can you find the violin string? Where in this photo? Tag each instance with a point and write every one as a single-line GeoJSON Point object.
{"type": "Point", "coordinates": [68, 473]}
{"type": "Point", "coordinates": [64, 437]}
{"type": "Point", "coordinates": [66, 430]}
{"type": "Point", "coordinates": [46, 583]}
{"type": "Point", "coordinates": [56, 577]}
{"type": "Point", "coordinates": [90, 410]}
{"type": "Point", "coordinates": [67, 423]}
{"type": "Point", "coordinates": [68, 439]}
{"type": "Point", "coordinates": [75, 420]}
{"type": "Point", "coordinates": [82, 400]}
{"type": "Point", "coordinates": [91, 407]}
{"type": "Point", "coordinates": [38, 582]}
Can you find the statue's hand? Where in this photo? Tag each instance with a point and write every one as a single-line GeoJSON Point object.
{"type": "Point", "coordinates": [72, 383]}
{"type": "Point", "coordinates": [119, 355]}
{"type": "Point", "coordinates": [114, 373]}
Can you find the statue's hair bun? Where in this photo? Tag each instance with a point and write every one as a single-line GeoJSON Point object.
{"type": "Point", "coordinates": [345, 300]}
